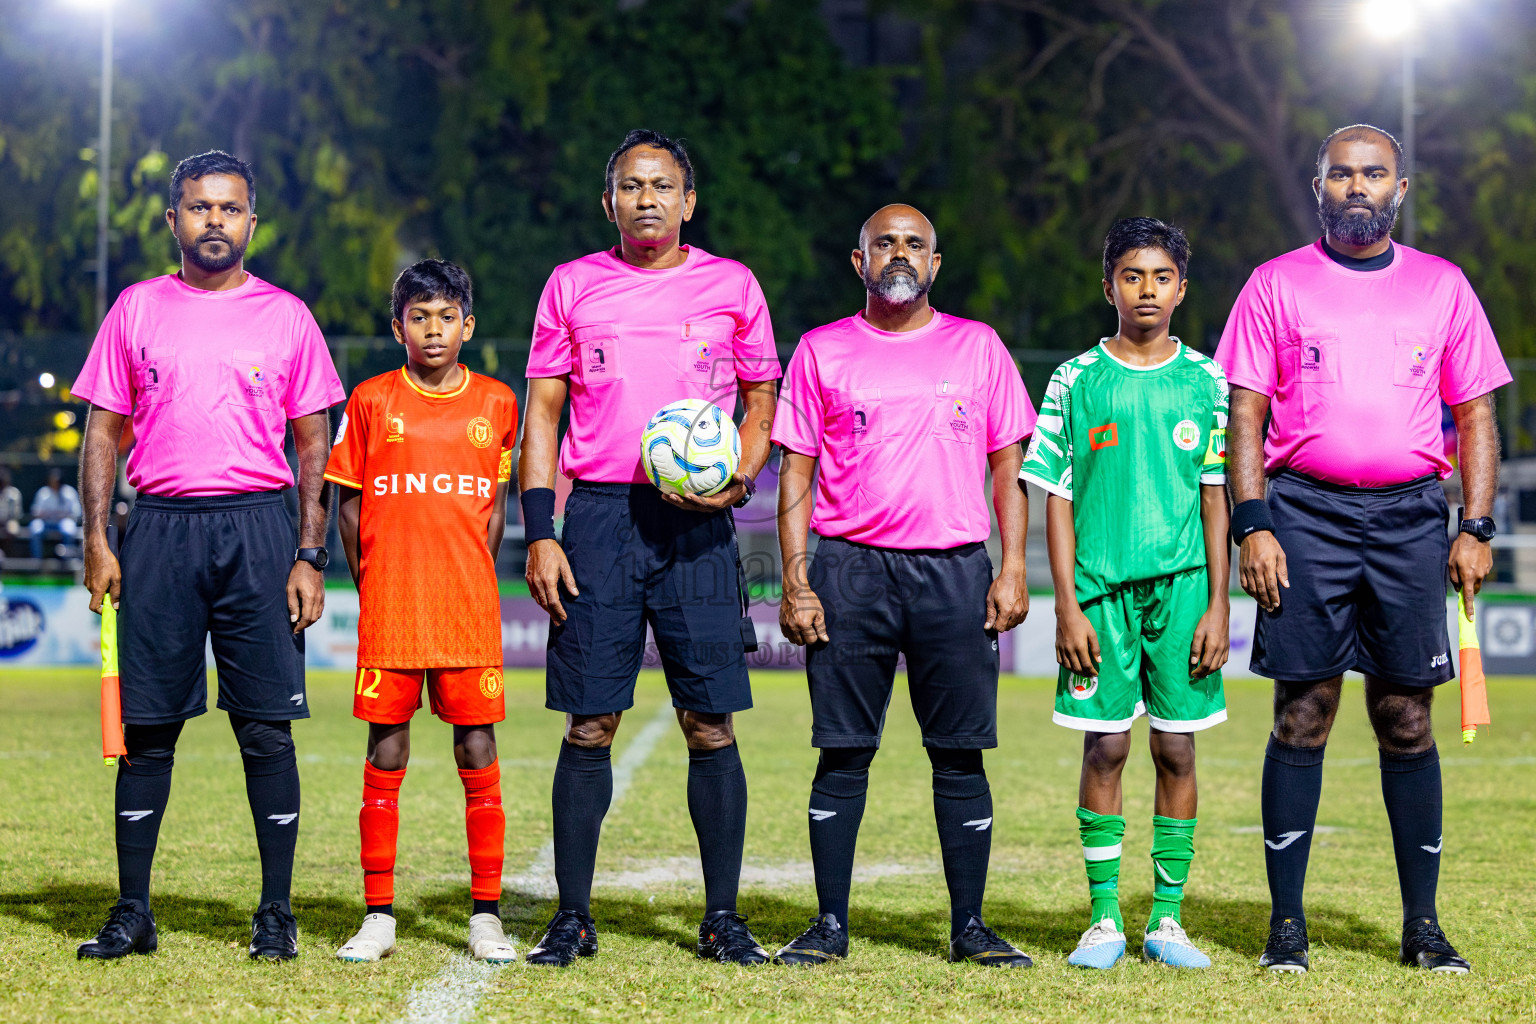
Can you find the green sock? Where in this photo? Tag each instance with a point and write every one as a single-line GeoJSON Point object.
{"type": "Point", "coordinates": [1101, 834]}
{"type": "Point", "coordinates": [1173, 847]}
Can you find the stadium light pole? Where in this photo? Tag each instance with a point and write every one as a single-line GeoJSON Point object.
{"type": "Point", "coordinates": [103, 153]}
{"type": "Point", "coordinates": [1402, 20]}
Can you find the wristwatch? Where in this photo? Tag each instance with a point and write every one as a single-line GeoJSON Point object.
{"type": "Point", "coordinates": [1483, 528]}
{"type": "Point", "coordinates": [751, 486]}
{"type": "Point", "coordinates": [317, 557]}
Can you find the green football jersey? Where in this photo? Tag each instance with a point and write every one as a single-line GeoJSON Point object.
{"type": "Point", "coordinates": [1129, 447]}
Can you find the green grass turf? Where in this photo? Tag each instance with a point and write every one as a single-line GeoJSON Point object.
{"type": "Point", "coordinates": [57, 876]}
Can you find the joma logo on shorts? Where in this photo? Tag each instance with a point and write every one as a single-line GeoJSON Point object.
{"type": "Point", "coordinates": [1438, 660]}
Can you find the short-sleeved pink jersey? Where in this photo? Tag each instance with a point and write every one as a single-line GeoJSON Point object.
{"type": "Point", "coordinates": [632, 340]}
{"type": "Point", "coordinates": [211, 379]}
{"type": "Point", "coordinates": [902, 424]}
{"type": "Point", "coordinates": [1356, 363]}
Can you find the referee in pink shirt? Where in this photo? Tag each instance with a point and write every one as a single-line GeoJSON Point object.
{"type": "Point", "coordinates": [212, 365]}
{"type": "Point", "coordinates": [621, 333]}
{"type": "Point", "coordinates": [1349, 345]}
{"type": "Point", "coordinates": [897, 413]}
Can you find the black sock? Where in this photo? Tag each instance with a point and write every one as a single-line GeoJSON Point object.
{"type": "Point", "coordinates": [837, 808]}
{"type": "Point", "coordinates": [582, 791]}
{"type": "Point", "coordinates": [962, 808]}
{"type": "Point", "coordinates": [1410, 784]}
{"type": "Point", "coordinates": [717, 803]}
{"type": "Point", "coordinates": [381, 908]}
{"type": "Point", "coordinates": [485, 907]}
{"type": "Point", "coordinates": [143, 790]}
{"type": "Point", "coordinates": [272, 788]}
{"type": "Point", "coordinates": [1293, 782]}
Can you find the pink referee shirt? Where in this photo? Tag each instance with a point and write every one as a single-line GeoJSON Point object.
{"type": "Point", "coordinates": [1357, 363]}
{"type": "Point", "coordinates": [211, 380]}
{"type": "Point", "coordinates": [633, 340]}
{"type": "Point", "coordinates": [902, 425]}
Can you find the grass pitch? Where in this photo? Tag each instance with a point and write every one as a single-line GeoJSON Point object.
{"type": "Point", "coordinates": [57, 876]}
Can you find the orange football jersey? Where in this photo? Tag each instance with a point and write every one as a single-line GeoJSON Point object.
{"type": "Point", "coordinates": [428, 466]}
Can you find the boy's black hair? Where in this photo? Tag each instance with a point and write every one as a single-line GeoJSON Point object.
{"type": "Point", "coordinates": [1362, 133]}
{"type": "Point", "coordinates": [215, 161]}
{"type": "Point", "coordinates": [433, 279]}
{"type": "Point", "coordinates": [1134, 233]}
{"type": "Point", "coordinates": [645, 137]}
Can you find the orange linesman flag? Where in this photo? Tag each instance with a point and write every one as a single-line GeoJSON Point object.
{"type": "Point", "coordinates": [1474, 685]}
{"type": "Point", "coordinates": [111, 694]}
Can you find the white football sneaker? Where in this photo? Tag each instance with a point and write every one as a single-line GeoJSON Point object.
{"type": "Point", "coordinates": [1101, 946]}
{"type": "Point", "coordinates": [487, 941]}
{"type": "Point", "coordinates": [374, 940]}
{"type": "Point", "coordinates": [1167, 944]}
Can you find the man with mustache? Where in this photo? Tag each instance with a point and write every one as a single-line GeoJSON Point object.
{"type": "Point", "coordinates": [903, 410]}
{"type": "Point", "coordinates": [1349, 345]}
{"type": "Point", "coordinates": [213, 365]}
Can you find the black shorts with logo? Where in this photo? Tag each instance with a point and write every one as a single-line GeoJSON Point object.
{"type": "Point", "coordinates": [928, 605]}
{"type": "Point", "coordinates": [640, 561]}
{"type": "Point", "coordinates": [1368, 579]}
{"type": "Point", "coordinates": [200, 567]}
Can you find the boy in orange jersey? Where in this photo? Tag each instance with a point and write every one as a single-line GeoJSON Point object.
{"type": "Point", "coordinates": [428, 444]}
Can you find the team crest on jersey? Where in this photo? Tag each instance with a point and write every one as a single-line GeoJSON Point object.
{"type": "Point", "coordinates": [960, 416]}
{"type": "Point", "coordinates": [479, 431]}
{"type": "Point", "coordinates": [1186, 435]}
{"type": "Point", "coordinates": [255, 381]}
{"type": "Point", "coordinates": [396, 425]}
{"type": "Point", "coordinates": [1216, 451]}
{"type": "Point", "coordinates": [701, 357]}
{"type": "Point", "coordinates": [490, 683]}
{"type": "Point", "coordinates": [1107, 436]}
{"type": "Point", "coordinates": [1082, 687]}
{"type": "Point", "coordinates": [1418, 369]}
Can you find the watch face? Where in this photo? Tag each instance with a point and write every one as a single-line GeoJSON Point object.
{"type": "Point", "coordinates": [322, 558]}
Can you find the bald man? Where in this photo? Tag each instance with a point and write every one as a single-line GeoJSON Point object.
{"type": "Point", "coordinates": [903, 410]}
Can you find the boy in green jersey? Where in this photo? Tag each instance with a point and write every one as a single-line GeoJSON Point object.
{"type": "Point", "coordinates": [1131, 446]}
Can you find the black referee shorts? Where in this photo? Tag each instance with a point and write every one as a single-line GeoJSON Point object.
{"type": "Point", "coordinates": [928, 605]}
{"type": "Point", "coordinates": [1368, 581]}
{"type": "Point", "coordinates": [195, 567]}
{"type": "Point", "coordinates": [640, 561]}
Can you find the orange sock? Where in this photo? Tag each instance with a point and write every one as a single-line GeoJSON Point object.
{"type": "Point", "coordinates": [379, 823]}
{"type": "Point", "coordinates": [485, 824]}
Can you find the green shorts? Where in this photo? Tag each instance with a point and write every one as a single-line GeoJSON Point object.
{"type": "Point", "coordinates": [1145, 631]}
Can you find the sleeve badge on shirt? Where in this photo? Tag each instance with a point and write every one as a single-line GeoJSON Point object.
{"type": "Point", "coordinates": [479, 431]}
{"type": "Point", "coordinates": [341, 430]}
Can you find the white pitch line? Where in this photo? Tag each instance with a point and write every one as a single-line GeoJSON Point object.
{"type": "Point", "coordinates": [454, 993]}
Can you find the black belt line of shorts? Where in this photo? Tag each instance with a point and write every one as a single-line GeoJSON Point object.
{"type": "Point", "coordinates": [207, 503]}
{"type": "Point", "coordinates": [956, 552]}
{"type": "Point", "coordinates": [1391, 490]}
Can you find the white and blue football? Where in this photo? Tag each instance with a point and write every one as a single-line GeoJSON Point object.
{"type": "Point", "coordinates": [690, 447]}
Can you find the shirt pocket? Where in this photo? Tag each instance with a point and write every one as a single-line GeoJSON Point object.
{"type": "Point", "coordinates": [1416, 361]}
{"type": "Point", "coordinates": [855, 420]}
{"type": "Point", "coordinates": [154, 376]}
{"type": "Point", "coordinates": [254, 381]}
{"type": "Point", "coordinates": [704, 354]}
{"type": "Point", "coordinates": [597, 354]}
{"type": "Point", "coordinates": [957, 416]}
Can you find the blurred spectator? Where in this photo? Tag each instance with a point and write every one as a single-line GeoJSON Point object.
{"type": "Point", "coordinates": [55, 512]}
{"type": "Point", "coordinates": [10, 505]}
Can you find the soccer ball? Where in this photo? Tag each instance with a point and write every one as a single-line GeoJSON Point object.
{"type": "Point", "coordinates": [690, 447]}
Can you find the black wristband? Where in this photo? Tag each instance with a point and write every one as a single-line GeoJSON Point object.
{"type": "Point", "coordinates": [1250, 517]}
{"type": "Point", "coordinates": [538, 514]}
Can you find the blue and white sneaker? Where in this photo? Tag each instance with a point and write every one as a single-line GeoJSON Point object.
{"type": "Point", "coordinates": [1101, 946]}
{"type": "Point", "coordinates": [1169, 945]}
